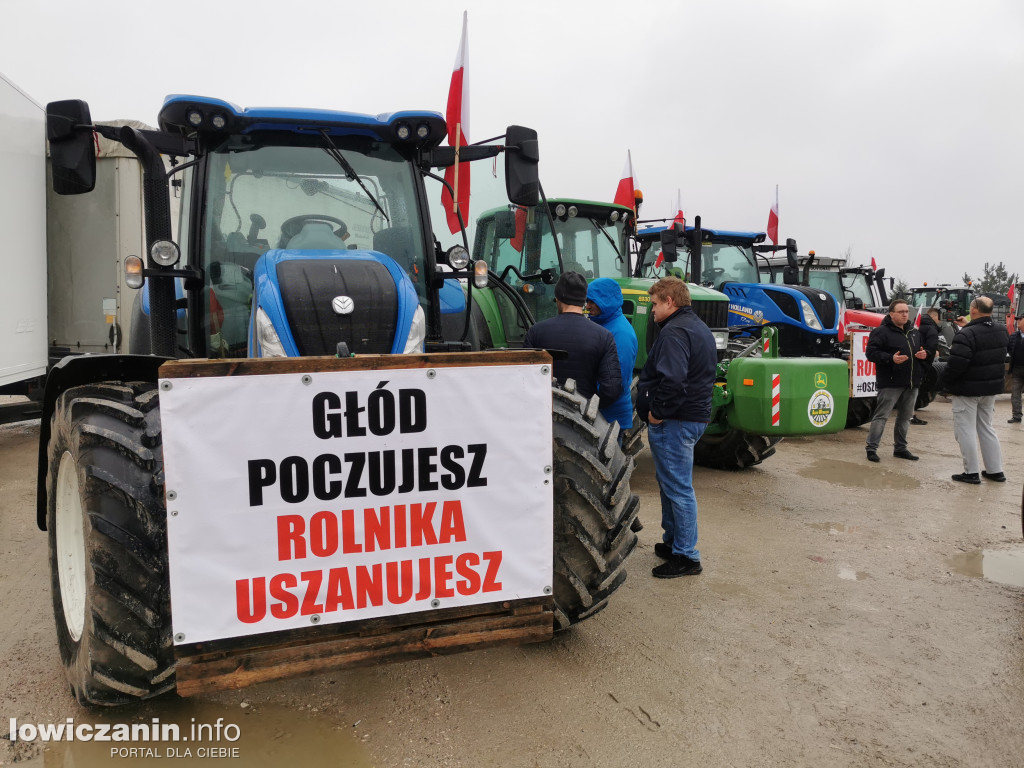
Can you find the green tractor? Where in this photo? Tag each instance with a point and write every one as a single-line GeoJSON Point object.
{"type": "Point", "coordinates": [529, 247]}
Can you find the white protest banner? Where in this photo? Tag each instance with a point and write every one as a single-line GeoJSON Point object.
{"type": "Point", "coordinates": [304, 498]}
{"type": "Point", "coordinates": [862, 370]}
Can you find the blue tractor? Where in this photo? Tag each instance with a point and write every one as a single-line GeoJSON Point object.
{"type": "Point", "coordinates": [807, 319]}
{"type": "Point", "coordinates": [302, 232]}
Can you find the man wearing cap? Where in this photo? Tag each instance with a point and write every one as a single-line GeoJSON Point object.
{"type": "Point", "coordinates": [1015, 349]}
{"type": "Point", "coordinates": [592, 360]}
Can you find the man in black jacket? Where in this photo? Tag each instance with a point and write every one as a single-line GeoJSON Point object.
{"type": "Point", "coordinates": [592, 360]}
{"type": "Point", "coordinates": [895, 349]}
{"type": "Point", "coordinates": [674, 398]}
{"type": "Point", "coordinates": [1015, 349]}
{"type": "Point", "coordinates": [974, 376]}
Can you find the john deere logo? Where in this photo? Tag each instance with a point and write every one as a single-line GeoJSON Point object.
{"type": "Point", "coordinates": [820, 408]}
{"type": "Point", "coordinates": [820, 380]}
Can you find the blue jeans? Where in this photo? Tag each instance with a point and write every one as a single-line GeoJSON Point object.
{"type": "Point", "coordinates": [672, 444]}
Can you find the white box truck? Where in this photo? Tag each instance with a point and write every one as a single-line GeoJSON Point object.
{"type": "Point", "coordinates": [64, 291]}
{"type": "Point", "coordinates": [23, 337]}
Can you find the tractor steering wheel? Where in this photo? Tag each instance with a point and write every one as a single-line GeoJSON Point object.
{"type": "Point", "coordinates": [291, 227]}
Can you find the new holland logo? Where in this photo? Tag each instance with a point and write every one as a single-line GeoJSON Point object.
{"type": "Point", "coordinates": [820, 380]}
{"type": "Point", "coordinates": [342, 305]}
{"type": "Point", "coordinates": [820, 408]}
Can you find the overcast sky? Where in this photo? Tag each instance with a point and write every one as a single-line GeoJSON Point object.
{"type": "Point", "coordinates": [893, 128]}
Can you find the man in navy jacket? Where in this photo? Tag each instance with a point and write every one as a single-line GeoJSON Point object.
{"type": "Point", "coordinates": [674, 398]}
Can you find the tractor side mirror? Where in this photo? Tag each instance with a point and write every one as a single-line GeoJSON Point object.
{"type": "Point", "coordinates": [72, 153]}
{"type": "Point", "coordinates": [504, 225]}
{"type": "Point", "coordinates": [791, 275]}
{"type": "Point", "coordinates": [670, 240]}
{"type": "Point", "coordinates": [522, 154]}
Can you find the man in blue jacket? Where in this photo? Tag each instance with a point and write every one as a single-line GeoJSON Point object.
{"type": "Point", "coordinates": [674, 398]}
{"type": "Point", "coordinates": [604, 305]}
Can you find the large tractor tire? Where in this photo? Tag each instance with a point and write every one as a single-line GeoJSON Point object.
{"type": "Point", "coordinates": [594, 507]}
{"type": "Point", "coordinates": [733, 449]}
{"type": "Point", "coordinates": [632, 438]}
{"type": "Point", "coordinates": [859, 411]}
{"type": "Point", "coordinates": [107, 531]}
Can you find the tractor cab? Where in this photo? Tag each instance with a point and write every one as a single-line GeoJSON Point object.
{"type": "Point", "coordinates": [302, 232]}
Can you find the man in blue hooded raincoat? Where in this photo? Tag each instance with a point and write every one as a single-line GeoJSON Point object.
{"type": "Point", "coordinates": [604, 304]}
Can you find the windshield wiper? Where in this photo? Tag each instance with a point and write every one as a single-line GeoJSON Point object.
{"type": "Point", "coordinates": [604, 232]}
{"type": "Point", "coordinates": [332, 150]}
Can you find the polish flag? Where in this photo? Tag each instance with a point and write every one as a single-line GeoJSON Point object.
{"type": "Point", "coordinates": [624, 193]}
{"type": "Point", "coordinates": [773, 219]}
{"type": "Point", "coordinates": [679, 210]}
{"type": "Point", "coordinates": [874, 266]}
{"type": "Point", "coordinates": [457, 117]}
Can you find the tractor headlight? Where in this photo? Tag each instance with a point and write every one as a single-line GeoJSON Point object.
{"type": "Point", "coordinates": [269, 341]}
{"type": "Point", "coordinates": [809, 318]}
{"type": "Point", "coordinates": [721, 339]}
{"type": "Point", "coordinates": [457, 257]}
{"type": "Point", "coordinates": [417, 333]}
{"type": "Point", "coordinates": [165, 253]}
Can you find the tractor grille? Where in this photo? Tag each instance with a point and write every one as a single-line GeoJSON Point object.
{"type": "Point", "coordinates": [309, 286]}
{"type": "Point", "coordinates": [715, 314]}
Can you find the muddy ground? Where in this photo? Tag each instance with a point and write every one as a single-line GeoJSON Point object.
{"type": "Point", "coordinates": [849, 614]}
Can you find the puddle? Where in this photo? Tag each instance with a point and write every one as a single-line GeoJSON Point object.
{"type": "Point", "coordinates": [851, 575]}
{"type": "Point", "coordinates": [858, 474]}
{"type": "Point", "coordinates": [836, 527]}
{"type": "Point", "coordinates": [1005, 566]}
{"type": "Point", "coordinates": [260, 736]}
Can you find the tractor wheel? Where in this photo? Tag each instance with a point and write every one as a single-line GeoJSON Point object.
{"type": "Point", "coordinates": [733, 449]}
{"type": "Point", "coordinates": [859, 411]}
{"type": "Point", "coordinates": [594, 507]}
{"type": "Point", "coordinates": [107, 532]}
{"type": "Point", "coordinates": [632, 438]}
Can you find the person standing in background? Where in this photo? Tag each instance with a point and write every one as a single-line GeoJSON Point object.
{"type": "Point", "coordinates": [1015, 349]}
{"type": "Point", "coordinates": [930, 341]}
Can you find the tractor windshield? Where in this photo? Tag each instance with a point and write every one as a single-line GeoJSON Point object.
{"type": "Point", "coordinates": [924, 298]}
{"type": "Point", "coordinates": [593, 246]}
{"type": "Point", "coordinates": [856, 286]}
{"type": "Point", "coordinates": [288, 191]}
{"type": "Point", "coordinates": [727, 263]}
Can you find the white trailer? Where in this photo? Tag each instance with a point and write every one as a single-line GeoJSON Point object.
{"type": "Point", "coordinates": [23, 333]}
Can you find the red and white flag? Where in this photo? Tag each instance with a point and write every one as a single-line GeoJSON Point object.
{"type": "Point", "coordinates": [874, 266]}
{"type": "Point", "coordinates": [679, 210]}
{"type": "Point", "coordinates": [624, 193]}
{"type": "Point", "coordinates": [773, 219]}
{"type": "Point", "coordinates": [457, 117]}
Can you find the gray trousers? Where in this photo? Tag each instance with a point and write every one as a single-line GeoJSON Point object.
{"type": "Point", "coordinates": [972, 424]}
{"type": "Point", "coordinates": [1016, 386]}
{"type": "Point", "coordinates": [903, 401]}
